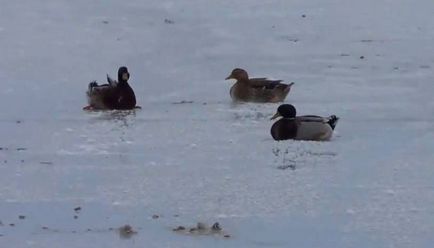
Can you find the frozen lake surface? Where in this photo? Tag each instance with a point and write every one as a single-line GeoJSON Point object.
{"type": "Point", "coordinates": [191, 155]}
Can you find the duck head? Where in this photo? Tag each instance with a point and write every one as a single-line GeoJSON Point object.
{"type": "Point", "coordinates": [239, 75]}
{"type": "Point", "coordinates": [123, 74]}
{"type": "Point", "coordinates": [286, 111]}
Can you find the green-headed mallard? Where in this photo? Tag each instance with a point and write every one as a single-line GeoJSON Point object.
{"type": "Point", "coordinates": [257, 89]}
{"type": "Point", "coordinates": [307, 127]}
{"type": "Point", "coordinates": [114, 95]}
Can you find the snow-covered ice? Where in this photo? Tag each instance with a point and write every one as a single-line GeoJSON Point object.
{"type": "Point", "coordinates": [369, 62]}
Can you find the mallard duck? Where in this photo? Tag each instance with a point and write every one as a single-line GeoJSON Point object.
{"type": "Point", "coordinates": [257, 89]}
{"type": "Point", "coordinates": [307, 127]}
{"type": "Point", "coordinates": [114, 95]}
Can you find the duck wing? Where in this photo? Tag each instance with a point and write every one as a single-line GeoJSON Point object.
{"type": "Point", "coordinates": [313, 130]}
{"type": "Point", "coordinates": [102, 96]}
{"type": "Point", "coordinates": [94, 88]}
{"type": "Point", "coordinates": [331, 120]}
{"type": "Point", "coordinates": [265, 90]}
{"type": "Point", "coordinates": [265, 83]}
{"type": "Point", "coordinates": [311, 118]}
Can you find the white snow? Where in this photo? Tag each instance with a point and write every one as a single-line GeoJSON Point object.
{"type": "Point", "coordinates": [211, 160]}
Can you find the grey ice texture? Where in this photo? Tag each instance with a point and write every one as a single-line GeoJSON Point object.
{"type": "Point", "coordinates": [369, 62]}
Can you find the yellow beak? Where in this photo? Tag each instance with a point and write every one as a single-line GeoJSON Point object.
{"type": "Point", "coordinates": [125, 76]}
{"type": "Point", "coordinates": [275, 116]}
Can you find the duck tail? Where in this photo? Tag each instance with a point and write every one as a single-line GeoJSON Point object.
{"type": "Point", "coordinates": [333, 121]}
{"type": "Point", "coordinates": [92, 85]}
{"type": "Point", "coordinates": [110, 81]}
{"type": "Point", "coordinates": [288, 87]}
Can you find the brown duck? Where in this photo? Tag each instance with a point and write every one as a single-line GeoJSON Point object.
{"type": "Point", "coordinates": [114, 95]}
{"type": "Point", "coordinates": [257, 89]}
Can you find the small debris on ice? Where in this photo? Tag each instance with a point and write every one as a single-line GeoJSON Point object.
{"type": "Point", "coordinates": [126, 231]}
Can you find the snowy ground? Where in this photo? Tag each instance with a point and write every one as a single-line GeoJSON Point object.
{"type": "Point", "coordinates": [211, 160]}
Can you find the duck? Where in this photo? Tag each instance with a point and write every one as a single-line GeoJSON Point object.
{"type": "Point", "coordinates": [306, 127]}
{"type": "Point", "coordinates": [114, 95]}
{"type": "Point", "coordinates": [260, 90]}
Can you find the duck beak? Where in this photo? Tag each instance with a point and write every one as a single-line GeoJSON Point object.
{"type": "Point", "coordinates": [229, 77]}
{"type": "Point", "coordinates": [275, 116]}
{"type": "Point", "coordinates": [125, 76]}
